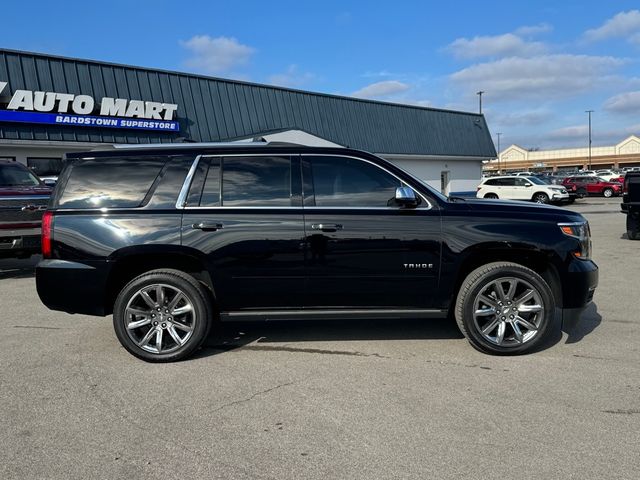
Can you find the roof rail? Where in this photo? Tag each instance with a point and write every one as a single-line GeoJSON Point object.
{"type": "Point", "coordinates": [185, 145]}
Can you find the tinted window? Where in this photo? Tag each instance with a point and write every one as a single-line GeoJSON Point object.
{"type": "Point", "coordinates": [211, 190]}
{"type": "Point", "coordinates": [492, 181]}
{"type": "Point", "coordinates": [110, 182]}
{"type": "Point", "coordinates": [522, 182]}
{"type": "Point", "coordinates": [45, 166]}
{"type": "Point", "coordinates": [16, 175]}
{"type": "Point", "coordinates": [256, 181]}
{"type": "Point", "coordinates": [348, 182]}
{"type": "Point", "coordinates": [507, 182]}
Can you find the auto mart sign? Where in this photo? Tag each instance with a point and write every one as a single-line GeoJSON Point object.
{"type": "Point", "coordinates": [51, 108]}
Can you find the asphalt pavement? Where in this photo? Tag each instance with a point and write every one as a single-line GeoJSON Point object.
{"type": "Point", "coordinates": [327, 400]}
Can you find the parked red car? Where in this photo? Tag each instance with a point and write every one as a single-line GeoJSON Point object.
{"type": "Point", "coordinates": [23, 199]}
{"type": "Point", "coordinates": [590, 185]}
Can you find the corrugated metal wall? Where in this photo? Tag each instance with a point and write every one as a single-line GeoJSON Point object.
{"type": "Point", "coordinates": [212, 110]}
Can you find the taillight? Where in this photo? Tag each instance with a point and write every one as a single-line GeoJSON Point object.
{"type": "Point", "coordinates": [47, 233]}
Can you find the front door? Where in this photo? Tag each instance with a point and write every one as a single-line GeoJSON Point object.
{"type": "Point", "coordinates": [363, 251]}
{"type": "Point", "coordinates": [244, 214]}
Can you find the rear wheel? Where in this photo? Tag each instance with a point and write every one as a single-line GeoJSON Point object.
{"type": "Point", "coordinates": [541, 197]}
{"type": "Point", "coordinates": [607, 192]}
{"type": "Point", "coordinates": [504, 308]}
{"type": "Point", "coordinates": [633, 227]}
{"type": "Point", "coordinates": [491, 196]}
{"type": "Point", "coordinates": [581, 193]}
{"type": "Point", "coordinates": [162, 316]}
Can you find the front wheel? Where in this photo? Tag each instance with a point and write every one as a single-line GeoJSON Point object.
{"type": "Point", "coordinates": [162, 316]}
{"type": "Point", "coordinates": [541, 198]}
{"type": "Point", "coordinates": [607, 192]}
{"type": "Point", "coordinates": [504, 308]}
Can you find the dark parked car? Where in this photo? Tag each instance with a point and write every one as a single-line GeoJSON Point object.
{"type": "Point", "coordinates": [590, 185]}
{"type": "Point", "coordinates": [23, 199]}
{"type": "Point", "coordinates": [631, 204]}
{"type": "Point", "coordinates": [173, 238]}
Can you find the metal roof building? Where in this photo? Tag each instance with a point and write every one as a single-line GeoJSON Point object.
{"type": "Point", "coordinates": [50, 104]}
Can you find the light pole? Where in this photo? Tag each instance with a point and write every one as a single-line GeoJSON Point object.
{"type": "Point", "coordinates": [498, 135]}
{"type": "Point", "coordinates": [589, 112]}
{"type": "Point", "coordinates": [480, 100]}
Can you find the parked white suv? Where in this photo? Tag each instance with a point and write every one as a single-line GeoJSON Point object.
{"type": "Point", "coordinates": [522, 188]}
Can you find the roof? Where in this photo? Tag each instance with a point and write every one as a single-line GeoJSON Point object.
{"type": "Point", "coordinates": [214, 109]}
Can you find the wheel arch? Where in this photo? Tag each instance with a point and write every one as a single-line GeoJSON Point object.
{"type": "Point", "coordinates": [540, 262]}
{"type": "Point", "coordinates": [128, 263]}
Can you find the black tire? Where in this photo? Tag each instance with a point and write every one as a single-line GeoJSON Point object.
{"type": "Point", "coordinates": [540, 197]}
{"type": "Point", "coordinates": [633, 227]}
{"type": "Point", "coordinates": [194, 294]}
{"type": "Point", "coordinates": [477, 282]}
{"type": "Point", "coordinates": [608, 192]}
{"type": "Point", "coordinates": [491, 196]}
{"type": "Point", "coordinates": [581, 193]}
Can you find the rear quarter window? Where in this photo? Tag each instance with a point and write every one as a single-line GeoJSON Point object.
{"type": "Point", "coordinates": [121, 182]}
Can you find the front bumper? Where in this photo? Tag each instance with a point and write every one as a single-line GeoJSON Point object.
{"type": "Point", "coordinates": [579, 284]}
{"type": "Point", "coordinates": [71, 287]}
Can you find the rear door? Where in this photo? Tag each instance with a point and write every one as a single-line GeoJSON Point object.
{"type": "Point", "coordinates": [361, 250]}
{"type": "Point", "coordinates": [244, 213]}
{"type": "Point", "coordinates": [508, 188]}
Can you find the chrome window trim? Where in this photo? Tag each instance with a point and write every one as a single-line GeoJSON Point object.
{"type": "Point", "coordinates": [28, 197]}
{"type": "Point", "coordinates": [182, 197]}
{"type": "Point", "coordinates": [186, 185]}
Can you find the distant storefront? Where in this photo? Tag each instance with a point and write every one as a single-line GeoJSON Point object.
{"type": "Point", "coordinates": [51, 105]}
{"type": "Point", "coordinates": [623, 154]}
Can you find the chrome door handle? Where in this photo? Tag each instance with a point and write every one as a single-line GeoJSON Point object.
{"type": "Point", "coordinates": [326, 227]}
{"type": "Point", "coordinates": [207, 227]}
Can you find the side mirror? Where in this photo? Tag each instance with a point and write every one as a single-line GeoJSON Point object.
{"type": "Point", "coordinates": [49, 183]}
{"type": "Point", "coordinates": [406, 197]}
{"type": "Point", "coordinates": [527, 185]}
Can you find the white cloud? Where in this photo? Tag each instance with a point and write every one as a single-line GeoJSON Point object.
{"type": "Point", "coordinates": [505, 45]}
{"type": "Point", "coordinates": [381, 89]}
{"type": "Point", "coordinates": [530, 30]}
{"type": "Point", "coordinates": [622, 25]}
{"type": "Point", "coordinates": [544, 76]}
{"type": "Point", "coordinates": [570, 133]}
{"type": "Point", "coordinates": [628, 102]}
{"type": "Point", "coordinates": [216, 55]}
{"type": "Point", "coordinates": [292, 77]}
{"type": "Point", "coordinates": [524, 117]}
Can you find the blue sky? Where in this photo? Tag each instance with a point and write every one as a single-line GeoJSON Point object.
{"type": "Point", "coordinates": [541, 63]}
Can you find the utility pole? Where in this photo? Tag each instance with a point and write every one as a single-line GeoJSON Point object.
{"type": "Point", "coordinates": [498, 135]}
{"type": "Point", "coordinates": [589, 112]}
{"type": "Point", "coordinates": [480, 100]}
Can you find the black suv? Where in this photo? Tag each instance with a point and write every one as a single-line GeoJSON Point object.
{"type": "Point", "coordinates": [631, 204]}
{"type": "Point", "coordinates": [173, 238]}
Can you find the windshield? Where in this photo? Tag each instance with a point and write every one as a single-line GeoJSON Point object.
{"type": "Point", "coordinates": [536, 180]}
{"type": "Point", "coordinates": [17, 176]}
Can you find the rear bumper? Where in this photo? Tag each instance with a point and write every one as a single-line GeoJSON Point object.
{"type": "Point", "coordinates": [14, 242]}
{"type": "Point", "coordinates": [579, 284]}
{"type": "Point", "coordinates": [71, 286]}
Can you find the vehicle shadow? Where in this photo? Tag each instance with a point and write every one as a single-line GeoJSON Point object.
{"type": "Point", "coordinates": [12, 268]}
{"type": "Point", "coordinates": [577, 329]}
{"type": "Point", "coordinates": [233, 335]}
{"type": "Point", "coordinates": [265, 335]}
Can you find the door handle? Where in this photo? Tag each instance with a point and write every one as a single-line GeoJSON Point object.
{"type": "Point", "coordinates": [326, 227]}
{"type": "Point", "coordinates": [207, 227]}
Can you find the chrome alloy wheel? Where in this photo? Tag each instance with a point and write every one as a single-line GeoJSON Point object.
{"type": "Point", "coordinates": [159, 318]}
{"type": "Point", "coordinates": [508, 312]}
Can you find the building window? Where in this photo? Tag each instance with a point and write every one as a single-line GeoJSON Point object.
{"type": "Point", "coordinates": [45, 166]}
{"type": "Point", "coordinates": [7, 159]}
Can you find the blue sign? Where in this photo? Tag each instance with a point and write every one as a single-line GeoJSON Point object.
{"type": "Point", "coordinates": [88, 121]}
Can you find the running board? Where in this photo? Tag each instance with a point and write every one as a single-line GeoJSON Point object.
{"type": "Point", "coordinates": [330, 314]}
